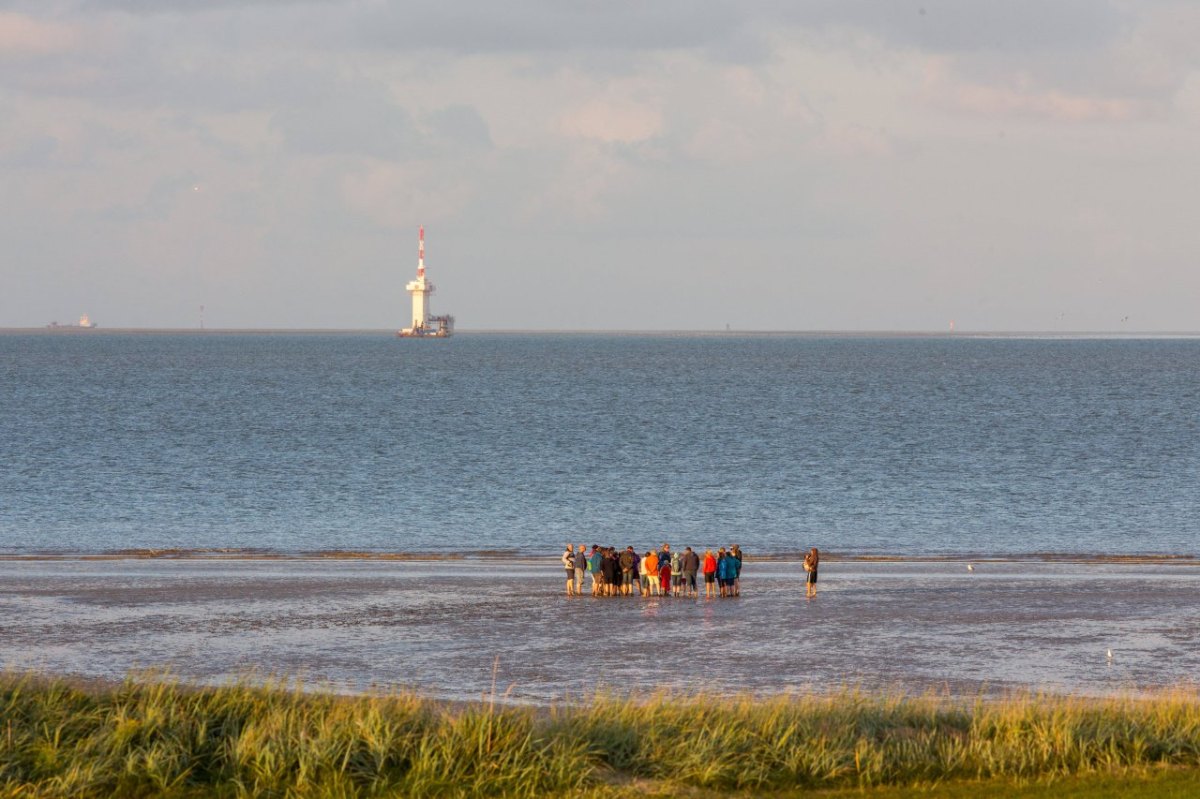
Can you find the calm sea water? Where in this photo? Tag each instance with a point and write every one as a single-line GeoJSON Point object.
{"type": "Point", "coordinates": [508, 442]}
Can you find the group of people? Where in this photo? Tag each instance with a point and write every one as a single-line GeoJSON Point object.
{"type": "Point", "coordinates": [618, 572]}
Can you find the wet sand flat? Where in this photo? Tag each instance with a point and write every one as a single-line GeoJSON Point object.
{"type": "Point", "coordinates": [448, 628]}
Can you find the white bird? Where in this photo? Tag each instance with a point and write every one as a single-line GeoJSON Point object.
{"type": "Point", "coordinates": [970, 567]}
{"type": "Point", "coordinates": [1110, 654]}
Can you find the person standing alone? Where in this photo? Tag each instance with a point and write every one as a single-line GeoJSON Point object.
{"type": "Point", "coordinates": [811, 561]}
{"type": "Point", "coordinates": [568, 561]}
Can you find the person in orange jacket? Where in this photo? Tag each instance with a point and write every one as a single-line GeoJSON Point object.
{"type": "Point", "coordinates": [649, 573]}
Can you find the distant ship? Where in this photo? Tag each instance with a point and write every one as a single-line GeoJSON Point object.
{"type": "Point", "coordinates": [424, 325]}
{"type": "Point", "coordinates": [84, 324]}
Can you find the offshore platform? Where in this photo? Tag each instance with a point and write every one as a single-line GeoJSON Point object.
{"type": "Point", "coordinates": [423, 324]}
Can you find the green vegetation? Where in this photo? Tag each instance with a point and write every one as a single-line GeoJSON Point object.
{"type": "Point", "coordinates": [163, 739]}
{"type": "Point", "coordinates": [1156, 784]}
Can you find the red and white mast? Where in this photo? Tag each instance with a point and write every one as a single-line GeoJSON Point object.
{"type": "Point", "coordinates": [421, 251]}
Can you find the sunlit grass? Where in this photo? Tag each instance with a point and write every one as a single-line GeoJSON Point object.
{"type": "Point", "coordinates": [158, 738]}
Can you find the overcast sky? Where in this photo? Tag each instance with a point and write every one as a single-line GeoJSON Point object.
{"type": "Point", "coordinates": [787, 165]}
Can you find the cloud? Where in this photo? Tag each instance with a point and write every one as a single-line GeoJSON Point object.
{"type": "Point", "coordinates": [1004, 102]}
{"type": "Point", "coordinates": [254, 55]}
{"type": "Point", "coordinates": [613, 121]}
{"type": "Point", "coordinates": [462, 26]}
{"type": "Point", "coordinates": [23, 36]}
{"type": "Point", "coordinates": [40, 142]}
{"type": "Point", "coordinates": [969, 25]}
{"type": "Point", "coordinates": [360, 120]}
{"type": "Point", "coordinates": [460, 126]}
{"type": "Point", "coordinates": [190, 6]}
{"type": "Point", "coordinates": [1026, 92]}
{"type": "Point", "coordinates": [828, 142]}
{"type": "Point", "coordinates": [735, 28]}
{"type": "Point", "coordinates": [36, 152]}
{"type": "Point", "coordinates": [393, 194]}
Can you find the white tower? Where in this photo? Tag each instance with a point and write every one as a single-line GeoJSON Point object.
{"type": "Point", "coordinates": [420, 289]}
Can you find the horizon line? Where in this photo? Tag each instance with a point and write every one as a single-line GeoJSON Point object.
{"type": "Point", "coordinates": [848, 332]}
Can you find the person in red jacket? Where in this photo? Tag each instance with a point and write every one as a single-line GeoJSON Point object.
{"type": "Point", "coordinates": [710, 574]}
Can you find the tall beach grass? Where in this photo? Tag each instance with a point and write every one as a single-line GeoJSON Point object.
{"type": "Point", "coordinates": [158, 738]}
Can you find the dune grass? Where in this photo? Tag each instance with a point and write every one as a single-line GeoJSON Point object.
{"type": "Point", "coordinates": [158, 738]}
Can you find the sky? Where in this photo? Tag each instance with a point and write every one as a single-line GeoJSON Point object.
{"type": "Point", "coordinates": [1027, 165]}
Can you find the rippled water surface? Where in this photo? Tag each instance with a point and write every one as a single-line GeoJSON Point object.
{"type": "Point", "coordinates": [508, 442]}
{"type": "Point", "coordinates": [448, 629]}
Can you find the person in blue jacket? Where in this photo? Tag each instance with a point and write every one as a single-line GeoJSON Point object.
{"type": "Point", "coordinates": [595, 561]}
{"type": "Point", "coordinates": [724, 563]}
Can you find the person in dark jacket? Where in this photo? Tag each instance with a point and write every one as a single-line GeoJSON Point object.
{"type": "Point", "coordinates": [628, 563]}
{"type": "Point", "coordinates": [735, 552]}
{"type": "Point", "coordinates": [581, 564]}
{"type": "Point", "coordinates": [691, 565]}
{"type": "Point", "coordinates": [611, 571]}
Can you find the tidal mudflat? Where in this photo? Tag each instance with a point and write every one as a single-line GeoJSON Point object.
{"type": "Point", "coordinates": [452, 629]}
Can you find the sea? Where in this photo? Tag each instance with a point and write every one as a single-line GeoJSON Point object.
{"type": "Point", "coordinates": [512, 444]}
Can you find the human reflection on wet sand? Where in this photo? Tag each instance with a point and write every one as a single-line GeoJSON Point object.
{"type": "Point", "coordinates": [438, 627]}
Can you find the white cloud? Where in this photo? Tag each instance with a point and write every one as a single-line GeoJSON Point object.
{"type": "Point", "coordinates": [613, 121]}
{"type": "Point", "coordinates": [891, 164]}
{"type": "Point", "coordinates": [25, 36]}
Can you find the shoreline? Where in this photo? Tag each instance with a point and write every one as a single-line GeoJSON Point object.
{"type": "Point", "coordinates": [1067, 335]}
{"type": "Point", "coordinates": [500, 696]}
{"type": "Point", "coordinates": [487, 556]}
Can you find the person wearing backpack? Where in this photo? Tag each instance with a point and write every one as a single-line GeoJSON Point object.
{"type": "Point", "coordinates": [676, 573]}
